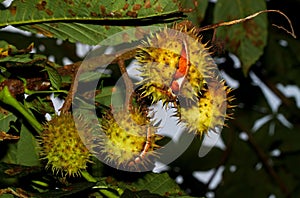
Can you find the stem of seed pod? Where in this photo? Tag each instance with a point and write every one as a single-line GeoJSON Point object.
{"type": "Point", "coordinates": [88, 177]}
{"type": "Point", "coordinates": [68, 100]}
{"type": "Point", "coordinates": [128, 84]}
{"type": "Point", "coordinates": [108, 193]}
{"type": "Point", "coordinates": [104, 190]}
{"type": "Point", "coordinates": [43, 184]}
{"type": "Point", "coordinates": [7, 98]}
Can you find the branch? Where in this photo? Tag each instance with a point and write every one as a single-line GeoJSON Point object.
{"type": "Point", "coordinates": [18, 192]}
{"type": "Point", "coordinates": [233, 22]}
{"type": "Point", "coordinates": [286, 101]}
{"type": "Point", "coordinates": [73, 88]}
{"type": "Point", "coordinates": [264, 158]}
{"type": "Point", "coordinates": [93, 64]}
{"type": "Point", "coordinates": [128, 83]}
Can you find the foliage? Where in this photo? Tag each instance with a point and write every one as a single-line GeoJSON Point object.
{"type": "Point", "coordinates": [258, 160]}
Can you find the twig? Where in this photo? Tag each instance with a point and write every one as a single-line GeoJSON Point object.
{"type": "Point", "coordinates": [18, 193]}
{"type": "Point", "coordinates": [237, 21]}
{"type": "Point", "coordinates": [6, 136]}
{"type": "Point", "coordinates": [128, 83]}
{"type": "Point", "coordinates": [73, 88]}
{"type": "Point", "coordinates": [92, 64]}
{"type": "Point", "coordinates": [97, 62]}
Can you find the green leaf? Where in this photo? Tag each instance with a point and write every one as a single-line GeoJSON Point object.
{"type": "Point", "coordinates": [69, 191]}
{"type": "Point", "coordinates": [27, 59]}
{"type": "Point", "coordinates": [40, 105]}
{"type": "Point", "coordinates": [15, 57]}
{"type": "Point", "coordinates": [7, 98]}
{"type": "Point", "coordinates": [281, 58]}
{"type": "Point", "coordinates": [7, 196]}
{"type": "Point", "coordinates": [73, 32]}
{"type": "Point", "coordinates": [9, 53]}
{"type": "Point", "coordinates": [139, 194]}
{"type": "Point", "coordinates": [195, 10]}
{"type": "Point", "coordinates": [54, 77]}
{"type": "Point", "coordinates": [65, 19]}
{"type": "Point", "coordinates": [91, 76]}
{"type": "Point", "coordinates": [286, 139]}
{"type": "Point", "coordinates": [160, 184]}
{"type": "Point", "coordinates": [45, 46]}
{"type": "Point", "coordinates": [23, 152]}
{"type": "Point", "coordinates": [6, 48]}
{"type": "Point", "coordinates": [27, 149]}
{"type": "Point", "coordinates": [248, 181]}
{"type": "Point", "coordinates": [246, 40]}
{"type": "Point", "coordinates": [107, 96]}
{"type": "Point", "coordinates": [6, 118]}
{"type": "Point", "coordinates": [242, 155]}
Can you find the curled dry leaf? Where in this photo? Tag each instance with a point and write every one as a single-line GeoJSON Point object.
{"type": "Point", "coordinates": [5, 136]}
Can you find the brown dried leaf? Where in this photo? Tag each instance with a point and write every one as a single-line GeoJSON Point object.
{"type": "Point", "coordinates": [5, 136]}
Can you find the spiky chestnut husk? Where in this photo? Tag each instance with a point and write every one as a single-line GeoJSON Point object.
{"type": "Point", "coordinates": [124, 138]}
{"type": "Point", "coordinates": [209, 112]}
{"type": "Point", "coordinates": [159, 58]}
{"type": "Point", "coordinates": [158, 65]}
{"type": "Point", "coordinates": [156, 92]}
{"type": "Point", "coordinates": [61, 146]}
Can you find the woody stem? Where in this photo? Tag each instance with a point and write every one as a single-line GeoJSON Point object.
{"type": "Point", "coordinates": [128, 83]}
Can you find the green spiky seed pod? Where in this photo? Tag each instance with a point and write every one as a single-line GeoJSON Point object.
{"type": "Point", "coordinates": [209, 111]}
{"type": "Point", "coordinates": [157, 92]}
{"type": "Point", "coordinates": [128, 138]}
{"type": "Point", "coordinates": [61, 146]}
{"type": "Point", "coordinates": [157, 68]}
{"type": "Point", "coordinates": [169, 55]}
